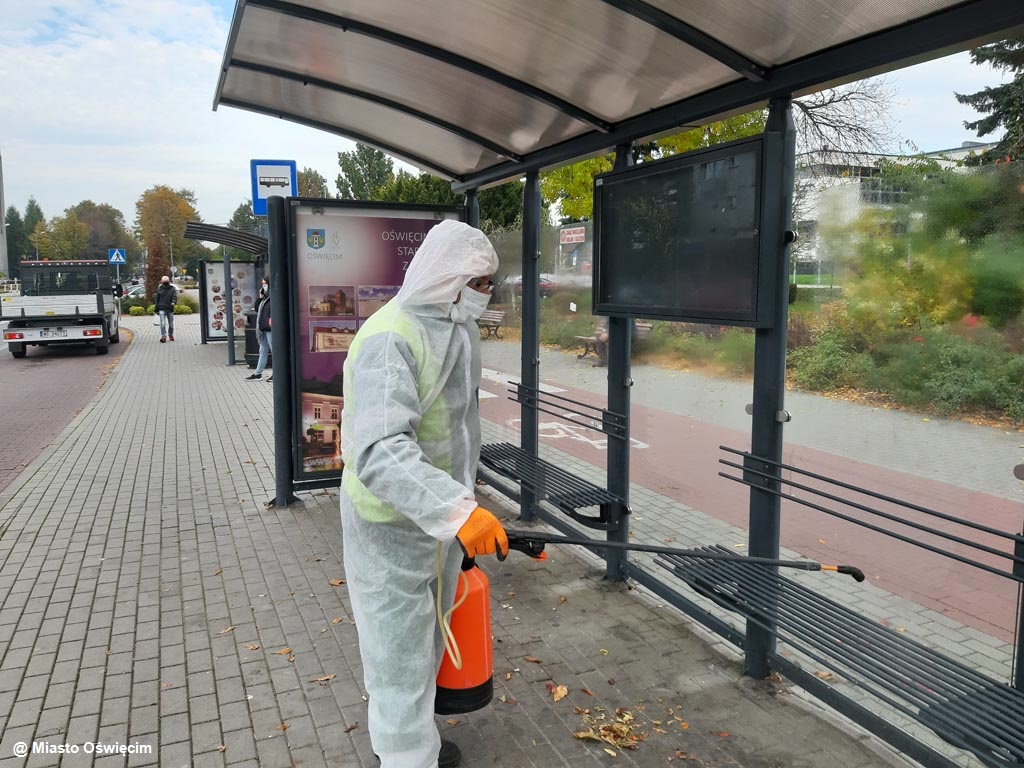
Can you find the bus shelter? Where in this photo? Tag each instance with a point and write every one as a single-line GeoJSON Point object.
{"type": "Point", "coordinates": [486, 91]}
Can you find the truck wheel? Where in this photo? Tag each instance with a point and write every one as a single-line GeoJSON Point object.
{"type": "Point", "coordinates": [102, 349]}
{"type": "Point", "coordinates": [18, 350]}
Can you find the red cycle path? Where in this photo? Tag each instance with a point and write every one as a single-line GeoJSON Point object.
{"type": "Point", "coordinates": [682, 463]}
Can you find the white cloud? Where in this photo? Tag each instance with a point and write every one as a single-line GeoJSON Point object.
{"type": "Point", "coordinates": [102, 99]}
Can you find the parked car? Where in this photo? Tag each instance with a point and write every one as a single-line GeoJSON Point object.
{"type": "Point", "coordinates": [135, 292]}
{"type": "Point", "coordinates": [547, 285]}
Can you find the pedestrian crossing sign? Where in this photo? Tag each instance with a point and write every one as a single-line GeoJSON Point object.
{"type": "Point", "coordinates": [115, 256]}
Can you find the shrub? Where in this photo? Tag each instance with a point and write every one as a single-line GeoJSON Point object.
{"type": "Point", "coordinates": [736, 351]}
{"type": "Point", "coordinates": [137, 310]}
{"type": "Point", "coordinates": [186, 300]}
{"type": "Point", "coordinates": [183, 309]}
{"type": "Point", "coordinates": [831, 362]}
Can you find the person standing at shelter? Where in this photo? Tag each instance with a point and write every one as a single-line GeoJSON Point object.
{"type": "Point", "coordinates": [166, 298]}
{"type": "Point", "coordinates": [263, 330]}
{"type": "Point", "coordinates": [410, 432]}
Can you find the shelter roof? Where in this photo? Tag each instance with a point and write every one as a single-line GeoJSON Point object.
{"type": "Point", "coordinates": [479, 91]}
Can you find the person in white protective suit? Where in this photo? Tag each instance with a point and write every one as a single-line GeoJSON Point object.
{"type": "Point", "coordinates": [410, 433]}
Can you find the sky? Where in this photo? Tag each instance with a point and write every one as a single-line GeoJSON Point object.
{"type": "Point", "coordinates": [103, 99]}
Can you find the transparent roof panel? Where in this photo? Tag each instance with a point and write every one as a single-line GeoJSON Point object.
{"type": "Point", "coordinates": [774, 33]}
{"type": "Point", "coordinates": [408, 135]}
{"type": "Point", "coordinates": [588, 53]}
{"type": "Point", "coordinates": [502, 115]}
{"type": "Point", "coordinates": [491, 88]}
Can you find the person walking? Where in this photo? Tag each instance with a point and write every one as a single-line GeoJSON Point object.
{"type": "Point", "coordinates": [263, 330]}
{"type": "Point", "coordinates": [410, 433]}
{"type": "Point", "coordinates": [166, 298]}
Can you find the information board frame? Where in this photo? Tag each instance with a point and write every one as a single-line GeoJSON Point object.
{"type": "Point", "coordinates": [760, 291]}
{"type": "Point", "coordinates": [346, 258]}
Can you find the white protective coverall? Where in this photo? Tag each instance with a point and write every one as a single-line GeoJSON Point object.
{"type": "Point", "coordinates": [410, 435]}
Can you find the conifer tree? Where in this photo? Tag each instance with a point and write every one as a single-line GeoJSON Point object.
{"type": "Point", "coordinates": [1002, 105]}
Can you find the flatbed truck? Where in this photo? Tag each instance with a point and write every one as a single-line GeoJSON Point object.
{"type": "Point", "coordinates": [62, 302]}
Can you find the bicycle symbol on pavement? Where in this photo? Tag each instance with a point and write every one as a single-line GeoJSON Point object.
{"type": "Point", "coordinates": [558, 430]}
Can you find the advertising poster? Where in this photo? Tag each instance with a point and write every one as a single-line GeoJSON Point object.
{"type": "Point", "coordinates": [349, 262]}
{"type": "Point", "coordinates": [215, 295]}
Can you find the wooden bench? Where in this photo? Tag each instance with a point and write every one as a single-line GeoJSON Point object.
{"type": "Point", "coordinates": [491, 321]}
{"type": "Point", "coordinates": [590, 343]}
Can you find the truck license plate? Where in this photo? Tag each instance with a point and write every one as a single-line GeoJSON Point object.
{"type": "Point", "coordinates": [53, 333]}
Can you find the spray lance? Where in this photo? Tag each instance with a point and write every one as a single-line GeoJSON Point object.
{"type": "Point", "coordinates": [532, 543]}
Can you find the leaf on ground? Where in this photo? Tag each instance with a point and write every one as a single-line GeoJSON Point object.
{"type": "Point", "coordinates": [534, 659]}
{"type": "Point", "coordinates": [166, 685]}
{"type": "Point", "coordinates": [724, 734]}
{"type": "Point", "coordinates": [562, 599]}
{"type": "Point", "coordinates": [218, 572]}
{"type": "Point", "coordinates": [292, 658]}
{"type": "Point", "coordinates": [283, 652]}
{"type": "Point", "coordinates": [336, 582]}
{"type": "Point", "coordinates": [337, 620]}
{"type": "Point", "coordinates": [452, 722]}
{"type": "Point", "coordinates": [282, 727]}
{"type": "Point", "coordinates": [222, 748]}
{"type": "Point", "coordinates": [351, 728]}
{"type": "Point", "coordinates": [558, 692]}
{"type": "Point", "coordinates": [823, 675]}
{"type": "Point", "coordinates": [226, 630]}
{"type": "Point", "coordinates": [603, 651]}
{"type": "Point", "coordinates": [610, 751]}
{"type": "Point", "coordinates": [324, 679]}
{"type": "Point", "coordinates": [252, 646]}
{"type": "Point", "coordinates": [587, 691]}
{"type": "Point", "coordinates": [508, 675]}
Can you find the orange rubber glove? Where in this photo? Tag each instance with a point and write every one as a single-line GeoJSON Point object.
{"type": "Point", "coordinates": [482, 534]}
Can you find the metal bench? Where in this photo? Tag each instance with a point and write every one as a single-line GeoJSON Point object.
{"type": "Point", "coordinates": [590, 343]}
{"type": "Point", "coordinates": [490, 322]}
{"type": "Point", "coordinates": [549, 482]}
{"type": "Point", "coordinates": [964, 706]}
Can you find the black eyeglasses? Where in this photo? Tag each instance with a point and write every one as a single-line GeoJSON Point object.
{"type": "Point", "coordinates": [481, 284]}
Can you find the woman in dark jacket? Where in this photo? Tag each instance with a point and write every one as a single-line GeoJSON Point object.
{"type": "Point", "coordinates": [263, 330]}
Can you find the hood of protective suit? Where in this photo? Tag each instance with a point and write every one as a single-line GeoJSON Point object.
{"type": "Point", "coordinates": [451, 254]}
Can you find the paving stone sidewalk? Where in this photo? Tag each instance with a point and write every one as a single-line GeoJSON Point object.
{"type": "Point", "coordinates": [150, 599]}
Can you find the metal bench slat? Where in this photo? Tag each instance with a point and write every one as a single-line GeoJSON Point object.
{"type": "Point", "coordinates": [555, 484]}
{"type": "Point", "coordinates": [919, 675]}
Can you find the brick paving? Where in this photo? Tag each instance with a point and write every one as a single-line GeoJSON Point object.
{"type": "Point", "coordinates": [149, 597]}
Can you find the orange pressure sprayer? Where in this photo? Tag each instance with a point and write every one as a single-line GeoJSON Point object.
{"type": "Point", "coordinates": [468, 686]}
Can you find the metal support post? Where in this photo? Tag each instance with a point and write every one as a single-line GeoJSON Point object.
{"type": "Point", "coordinates": [770, 360]}
{"type": "Point", "coordinates": [620, 333]}
{"type": "Point", "coordinates": [281, 347]}
{"type": "Point", "coordinates": [472, 208]}
{"type": "Point", "coordinates": [530, 350]}
{"type": "Point", "coordinates": [230, 305]}
{"type": "Point", "coordinates": [1018, 654]}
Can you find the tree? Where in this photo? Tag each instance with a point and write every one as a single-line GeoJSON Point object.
{"type": "Point", "coordinates": [107, 230]}
{"type": "Point", "coordinates": [156, 267]}
{"type": "Point", "coordinates": [363, 172]}
{"type": "Point", "coordinates": [853, 118]}
{"type": "Point", "coordinates": [311, 183]}
{"type": "Point", "coordinates": [500, 207]}
{"type": "Point", "coordinates": [1002, 105]}
{"type": "Point", "coordinates": [64, 237]}
{"type": "Point", "coordinates": [17, 240]}
{"type": "Point", "coordinates": [161, 214]}
{"type": "Point", "coordinates": [244, 220]}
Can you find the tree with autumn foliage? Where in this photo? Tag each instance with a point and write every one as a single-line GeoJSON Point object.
{"type": "Point", "coordinates": [161, 214]}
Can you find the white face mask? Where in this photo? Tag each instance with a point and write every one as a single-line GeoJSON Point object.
{"type": "Point", "coordinates": [470, 306]}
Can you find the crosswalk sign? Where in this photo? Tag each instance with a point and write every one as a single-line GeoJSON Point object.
{"type": "Point", "coordinates": [115, 256]}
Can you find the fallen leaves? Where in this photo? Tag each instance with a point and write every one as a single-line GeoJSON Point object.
{"type": "Point", "coordinates": [558, 692]}
{"type": "Point", "coordinates": [282, 727]}
{"type": "Point", "coordinates": [351, 728]}
{"type": "Point", "coordinates": [227, 630]}
{"type": "Point", "coordinates": [532, 659]}
{"type": "Point", "coordinates": [283, 652]}
{"type": "Point", "coordinates": [336, 582]}
{"type": "Point", "coordinates": [337, 620]}
{"type": "Point", "coordinates": [622, 733]}
{"type": "Point", "coordinates": [323, 679]}
{"type": "Point", "coordinates": [252, 646]}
